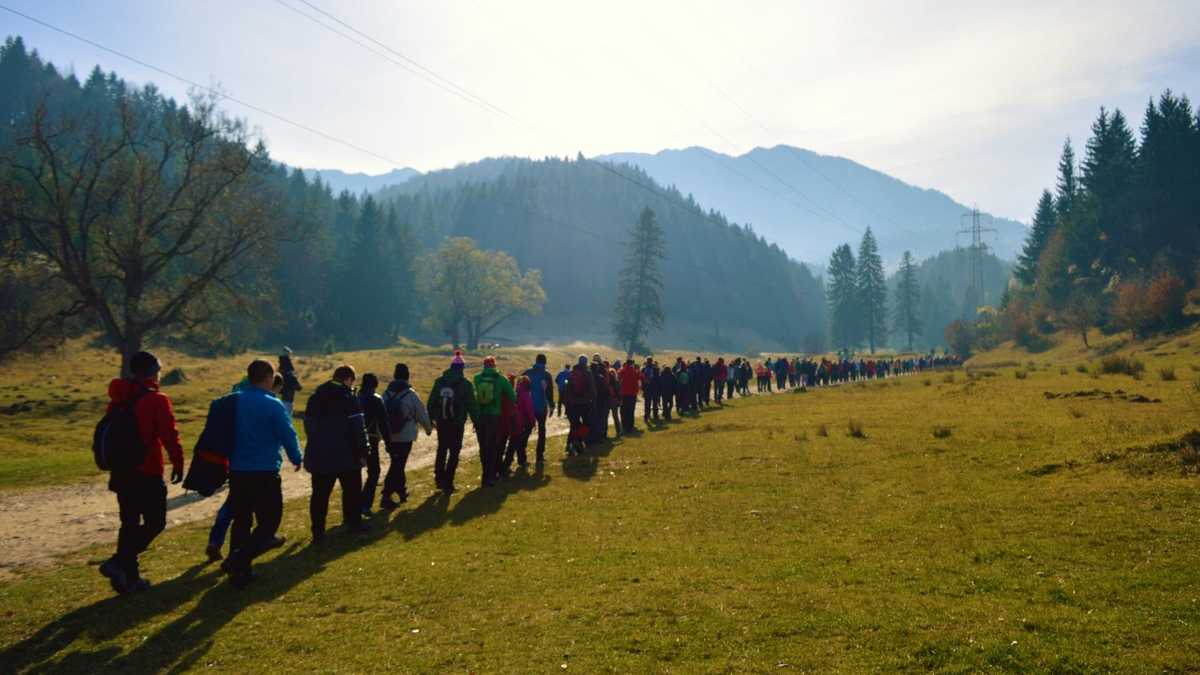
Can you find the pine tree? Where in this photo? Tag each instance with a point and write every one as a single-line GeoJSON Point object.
{"type": "Point", "coordinates": [908, 300]}
{"type": "Point", "coordinates": [1035, 242]}
{"type": "Point", "coordinates": [640, 286]}
{"type": "Point", "coordinates": [1068, 183]}
{"type": "Point", "coordinates": [842, 296]}
{"type": "Point", "coordinates": [872, 291]}
{"type": "Point", "coordinates": [1168, 173]}
{"type": "Point", "coordinates": [1103, 233]}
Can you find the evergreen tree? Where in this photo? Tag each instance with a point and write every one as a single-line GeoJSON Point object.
{"type": "Point", "coordinates": [1035, 242]}
{"type": "Point", "coordinates": [1102, 235]}
{"type": "Point", "coordinates": [640, 286]}
{"type": "Point", "coordinates": [842, 295]}
{"type": "Point", "coordinates": [908, 300]}
{"type": "Point", "coordinates": [1168, 175]}
{"type": "Point", "coordinates": [872, 291]}
{"type": "Point", "coordinates": [1068, 183]}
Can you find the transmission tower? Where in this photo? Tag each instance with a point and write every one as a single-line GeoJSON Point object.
{"type": "Point", "coordinates": [973, 224]}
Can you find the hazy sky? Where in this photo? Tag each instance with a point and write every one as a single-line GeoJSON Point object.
{"type": "Point", "coordinates": [970, 98]}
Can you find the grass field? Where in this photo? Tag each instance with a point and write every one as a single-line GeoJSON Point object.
{"type": "Point", "coordinates": [982, 521]}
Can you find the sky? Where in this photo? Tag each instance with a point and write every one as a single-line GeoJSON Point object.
{"type": "Point", "coordinates": [971, 98]}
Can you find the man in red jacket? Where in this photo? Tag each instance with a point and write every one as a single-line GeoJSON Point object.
{"type": "Point", "coordinates": [141, 492]}
{"type": "Point", "coordinates": [630, 378]}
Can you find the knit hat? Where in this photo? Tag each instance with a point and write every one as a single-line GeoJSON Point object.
{"type": "Point", "coordinates": [457, 361]}
{"type": "Point", "coordinates": [583, 359]}
{"type": "Point", "coordinates": [489, 362]}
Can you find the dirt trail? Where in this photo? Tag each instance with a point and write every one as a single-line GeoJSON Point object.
{"type": "Point", "coordinates": [37, 526]}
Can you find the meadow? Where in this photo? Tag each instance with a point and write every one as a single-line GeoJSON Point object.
{"type": "Point", "coordinates": [1028, 512]}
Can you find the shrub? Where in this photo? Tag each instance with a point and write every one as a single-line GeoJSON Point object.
{"type": "Point", "coordinates": [855, 428]}
{"type": "Point", "coordinates": [1117, 364]}
{"type": "Point", "coordinates": [1081, 368]}
{"type": "Point", "coordinates": [1064, 371]}
{"type": "Point", "coordinates": [949, 378]}
{"type": "Point", "coordinates": [1144, 308]}
{"type": "Point", "coordinates": [173, 377]}
{"type": "Point", "coordinates": [941, 432]}
{"type": "Point", "coordinates": [960, 335]}
{"type": "Point", "coordinates": [927, 382]}
{"type": "Point", "coordinates": [823, 431]}
{"type": "Point", "coordinates": [1020, 374]}
{"type": "Point", "coordinates": [1167, 374]}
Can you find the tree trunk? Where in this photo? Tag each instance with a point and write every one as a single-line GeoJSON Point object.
{"type": "Point", "coordinates": [129, 346]}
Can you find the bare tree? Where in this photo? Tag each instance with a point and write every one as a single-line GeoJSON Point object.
{"type": "Point", "coordinates": [143, 210]}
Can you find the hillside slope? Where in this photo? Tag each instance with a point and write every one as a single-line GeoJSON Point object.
{"type": "Point", "coordinates": [808, 203]}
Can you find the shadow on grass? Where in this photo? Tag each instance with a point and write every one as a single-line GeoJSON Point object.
{"type": "Point", "coordinates": [435, 511]}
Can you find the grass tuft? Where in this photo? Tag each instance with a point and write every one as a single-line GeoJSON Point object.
{"type": "Point", "coordinates": [1167, 374]}
{"type": "Point", "coordinates": [940, 431]}
{"type": "Point", "coordinates": [854, 428]}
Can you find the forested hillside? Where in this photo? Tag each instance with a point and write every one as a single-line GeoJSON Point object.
{"type": "Point", "coordinates": [725, 286]}
{"type": "Point", "coordinates": [942, 280]}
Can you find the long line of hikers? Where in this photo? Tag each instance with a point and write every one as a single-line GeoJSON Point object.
{"type": "Point", "coordinates": [346, 427]}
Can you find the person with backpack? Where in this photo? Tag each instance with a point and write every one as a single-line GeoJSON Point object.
{"type": "Point", "coordinates": [664, 386]}
{"type": "Point", "coordinates": [630, 379]}
{"type": "Point", "coordinates": [376, 421]}
{"type": "Point", "coordinates": [336, 451]}
{"type": "Point", "coordinates": [649, 392]}
{"type": "Point", "coordinates": [579, 397]}
{"type": "Point", "coordinates": [561, 380]}
{"type": "Point", "coordinates": [262, 426]}
{"type": "Point", "coordinates": [614, 396]}
{"type": "Point", "coordinates": [291, 383]}
{"type": "Point", "coordinates": [541, 389]}
{"type": "Point", "coordinates": [719, 373]}
{"type": "Point", "coordinates": [403, 411]}
{"type": "Point", "coordinates": [129, 442]}
{"type": "Point", "coordinates": [451, 402]}
{"type": "Point", "coordinates": [491, 390]}
{"type": "Point", "coordinates": [598, 418]}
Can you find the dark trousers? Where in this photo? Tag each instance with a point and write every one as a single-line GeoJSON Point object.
{"type": "Point", "coordinates": [718, 390]}
{"type": "Point", "coordinates": [487, 430]}
{"type": "Point", "coordinates": [142, 501]}
{"type": "Point", "coordinates": [394, 482]}
{"type": "Point", "coordinates": [255, 497]}
{"type": "Point", "coordinates": [649, 408]}
{"type": "Point", "coordinates": [449, 445]}
{"type": "Point", "coordinates": [599, 422]}
{"type": "Point", "coordinates": [368, 490]}
{"type": "Point", "coordinates": [628, 410]}
{"type": "Point", "coordinates": [577, 416]}
{"type": "Point", "coordinates": [541, 429]}
{"type": "Point", "coordinates": [517, 445]}
{"type": "Point", "coordinates": [322, 488]}
{"type": "Point", "coordinates": [729, 389]}
{"type": "Point", "coordinates": [615, 406]}
{"type": "Point", "coordinates": [666, 406]}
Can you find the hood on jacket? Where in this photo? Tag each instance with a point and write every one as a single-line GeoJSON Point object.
{"type": "Point", "coordinates": [121, 390]}
{"type": "Point", "coordinates": [398, 386]}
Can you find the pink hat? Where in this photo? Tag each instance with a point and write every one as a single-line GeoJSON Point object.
{"type": "Point", "coordinates": [457, 361]}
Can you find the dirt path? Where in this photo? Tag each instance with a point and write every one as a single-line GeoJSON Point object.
{"type": "Point", "coordinates": [37, 526]}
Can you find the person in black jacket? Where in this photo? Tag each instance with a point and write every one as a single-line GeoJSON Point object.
{"type": "Point", "coordinates": [291, 383]}
{"type": "Point", "coordinates": [336, 451]}
{"type": "Point", "coordinates": [664, 386]}
{"type": "Point", "coordinates": [376, 422]}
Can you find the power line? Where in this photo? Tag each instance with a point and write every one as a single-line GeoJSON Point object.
{"type": "Point", "coordinates": [212, 90]}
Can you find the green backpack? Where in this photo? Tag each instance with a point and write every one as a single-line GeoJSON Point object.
{"type": "Point", "coordinates": [485, 390]}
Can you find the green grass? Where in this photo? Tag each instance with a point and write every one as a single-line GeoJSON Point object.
{"type": "Point", "coordinates": [1030, 540]}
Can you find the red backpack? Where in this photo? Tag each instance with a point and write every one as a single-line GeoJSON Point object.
{"type": "Point", "coordinates": [579, 382]}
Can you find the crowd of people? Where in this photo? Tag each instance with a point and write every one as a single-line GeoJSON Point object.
{"type": "Point", "coordinates": [345, 428]}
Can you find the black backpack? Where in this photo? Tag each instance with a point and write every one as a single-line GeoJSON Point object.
{"type": "Point", "coordinates": [392, 401]}
{"type": "Point", "coordinates": [117, 442]}
{"type": "Point", "coordinates": [445, 401]}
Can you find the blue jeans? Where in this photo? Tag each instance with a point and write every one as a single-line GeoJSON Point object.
{"type": "Point", "coordinates": [220, 528]}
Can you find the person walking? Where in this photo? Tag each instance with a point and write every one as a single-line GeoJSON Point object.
{"type": "Point", "coordinates": [630, 379]}
{"type": "Point", "coordinates": [664, 386]}
{"type": "Point", "coordinates": [525, 420]}
{"type": "Point", "coordinates": [262, 426]}
{"type": "Point", "coordinates": [561, 380]}
{"type": "Point", "coordinates": [140, 489]}
{"type": "Point", "coordinates": [291, 383]}
{"type": "Point", "coordinates": [336, 451]}
{"type": "Point", "coordinates": [404, 412]}
{"type": "Point", "coordinates": [579, 396]}
{"type": "Point", "coordinates": [491, 391]}
{"type": "Point", "coordinates": [649, 392]}
{"type": "Point", "coordinates": [375, 419]}
{"type": "Point", "coordinates": [598, 422]}
{"type": "Point", "coordinates": [541, 389]}
{"type": "Point", "coordinates": [451, 402]}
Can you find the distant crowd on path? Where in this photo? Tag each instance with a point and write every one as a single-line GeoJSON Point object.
{"type": "Point", "coordinates": [345, 429]}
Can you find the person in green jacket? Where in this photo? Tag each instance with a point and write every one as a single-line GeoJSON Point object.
{"type": "Point", "coordinates": [491, 390]}
{"type": "Point", "coordinates": [451, 402]}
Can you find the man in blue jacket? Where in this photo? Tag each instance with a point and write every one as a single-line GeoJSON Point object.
{"type": "Point", "coordinates": [541, 385]}
{"type": "Point", "coordinates": [263, 425]}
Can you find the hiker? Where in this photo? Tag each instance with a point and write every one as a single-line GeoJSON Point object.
{"type": "Point", "coordinates": [731, 374]}
{"type": "Point", "coordinates": [649, 392]}
{"type": "Point", "coordinates": [598, 421]}
{"type": "Point", "coordinates": [291, 383]}
{"type": "Point", "coordinates": [526, 419]}
{"type": "Point", "coordinates": [614, 395]}
{"type": "Point", "coordinates": [336, 451]}
{"type": "Point", "coordinates": [561, 380]}
{"type": "Point", "coordinates": [682, 380]}
{"type": "Point", "coordinates": [719, 373]}
{"type": "Point", "coordinates": [491, 390]}
{"type": "Point", "coordinates": [630, 379]}
{"type": "Point", "coordinates": [375, 420]}
{"type": "Point", "coordinates": [664, 385]}
{"type": "Point", "coordinates": [541, 388]}
{"type": "Point", "coordinates": [579, 395]}
{"type": "Point", "coordinates": [137, 408]}
{"type": "Point", "coordinates": [451, 402]}
{"type": "Point", "coordinates": [261, 428]}
{"type": "Point", "coordinates": [511, 428]}
{"type": "Point", "coordinates": [404, 412]}
{"type": "Point", "coordinates": [781, 373]}
{"type": "Point", "coordinates": [224, 517]}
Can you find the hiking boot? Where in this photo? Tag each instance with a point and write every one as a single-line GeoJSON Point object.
{"type": "Point", "coordinates": [116, 575]}
{"type": "Point", "coordinates": [388, 505]}
{"type": "Point", "coordinates": [276, 542]}
{"type": "Point", "coordinates": [367, 512]}
{"type": "Point", "coordinates": [318, 538]}
{"type": "Point", "coordinates": [139, 584]}
{"type": "Point", "coordinates": [213, 553]}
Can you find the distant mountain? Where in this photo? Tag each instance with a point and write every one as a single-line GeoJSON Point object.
{"type": "Point", "coordinates": [809, 203]}
{"type": "Point", "coordinates": [357, 182]}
